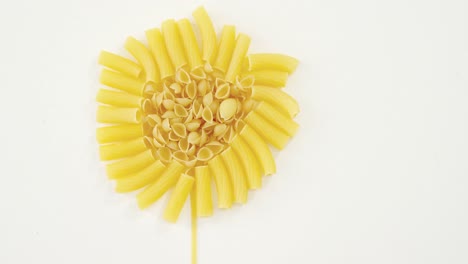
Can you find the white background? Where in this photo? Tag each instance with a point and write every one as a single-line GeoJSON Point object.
{"type": "Point", "coordinates": [378, 172]}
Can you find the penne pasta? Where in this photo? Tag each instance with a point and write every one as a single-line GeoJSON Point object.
{"type": "Point", "coordinates": [277, 118]}
{"type": "Point", "coordinates": [274, 136]}
{"type": "Point", "coordinates": [249, 162]}
{"type": "Point", "coordinates": [167, 180]}
{"type": "Point", "coordinates": [271, 78]}
{"type": "Point", "coordinates": [173, 43]}
{"type": "Point", "coordinates": [282, 101]}
{"type": "Point", "coordinates": [122, 82]}
{"type": "Point", "coordinates": [208, 34]}
{"type": "Point", "coordinates": [222, 182]}
{"type": "Point", "coordinates": [144, 57]}
{"type": "Point", "coordinates": [238, 55]}
{"type": "Point", "coordinates": [119, 64]}
{"type": "Point", "coordinates": [190, 44]}
{"type": "Point", "coordinates": [140, 179]}
{"type": "Point", "coordinates": [118, 115]}
{"type": "Point", "coordinates": [272, 61]}
{"type": "Point", "coordinates": [260, 149]}
{"type": "Point", "coordinates": [237, 173]}
{"type": "Point", "coordinates": [178, 197]}
{"type": "Point", "coordinates": [226, 47]}
{"type": "Point", "coordinates": [127, 166]}
{"type": "Point", "coordinates": [118, 133]}
{"type": "Point", "coordinates": [118, 99]}
{"type": "Point", "coordinates": [158, 49]}
{"type": "Point", "coordinates": [203, 197]}
{"type": "Point", "coordinates": [122, 149]}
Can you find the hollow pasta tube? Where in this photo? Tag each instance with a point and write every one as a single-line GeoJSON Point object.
{"type": "Point", "coordinates": [178, 197]}
{"type": "Point", "coordinates": [222, 182]}
{"type": "Point", "coordinates": [272, 61]}
{"type": "Point", "coordinates": [226, 47]}
{"type": "Point", "coordinates": [249, 162]}
{"type": "Point", "coordinates": [167, 180]}
{"type": "Point", "coordinates": [274, 136]}
{"type": "Point", "coordinates": [122, 149]}
{"type": "Point", "coordinates": [173, 43]}
{"type": "Point", "coordinates": [158, 49]}
{"type": "Point", "coordinates": [119, 64]}
{"type": "Point", "coordinates": [208, 34]}
{"type": "Point", "coordinates": [277, 98]}
{"type": "Point", "coordinates": [118, 133]}
{"type": "Point", "coordinates": [118, 99]}
{"type": "Point", "coordinates": [203, 196]}
{"type": "Point", "coordinates": [277, 118]}
{"type": "Point", "coordinates": [271, 78]}
{"type": "Point", "coordinates": [130, 165]}
{"type": "Point", "coordinates": [238, 55]}
{"type": "Point", "coordinates": [190, 43]}
{"type": "Point", "coordinates": [237, 173]}
{"type": "Point", "coordinates": [260, 149]}
{"type": "Point", "coordinates": [140, 179]}
{"type": "Point", "coordinates": [144, 57]}
{"type": "Point", "coordinates": [122, 82]}
{"type": "Point", "coordinates": [118, 115]}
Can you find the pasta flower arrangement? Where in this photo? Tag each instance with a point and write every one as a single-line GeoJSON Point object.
{"type": "Point", "coordinates": [182, 116]}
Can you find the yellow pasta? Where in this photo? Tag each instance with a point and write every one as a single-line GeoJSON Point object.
{"type": "Point", "coordinates": [204, 200]}
{"type": "Point", "coordinates": [122, 82]}
{"type": "Point", "coordinates": [118, 99]}
{"type": "Point", "coordinates": [277, 98]}
{"type": "Point", "coordinates": [167, 180]}
{"type": "Point", "coordinates": [144, 57]}
{"type": "Point", "coordinates": [277, 118]}
{"type": "Point", "coordinates": [140, 179]}
{"type": "Point", "coordinates": [226, 47]}
{"type": "Point", "coordinates": [122, 149]}
{"type": "Point", "coordinates": [118, 115]}
{"type": "Point", "coordinates": [208, 34]}
{"type": "Point", "coordinates": [173, 43]}
{"type": "Point", "coordinates": [222, 182]}
{"type": "Point", "coordinates": [249, 162]}
{"type": "Point", "coordinates": [158, 48]}
{"type": "Point", "coordinates": [190, 43]}
{"type": "Point", "coordinates": [266, 130]}
{"type": "Point", "coordinates": [119, 64]}
{"type": "Point", "coordinates": [272, 61]}
{"type": "Point", "coordinates": [240, 50]}
{"type": "Point", "coordinates": [237, 173]}
{"type": "Point", "coordinates": [127, 166]}
{"type": "Point", "coordinates": [271, 78]}
{"type": "Point", "coordinates": [178, 197]}
{"type": "Point", "coordinates": [118, 133]}
{"type": "Point", "coordinates": [260, 149]}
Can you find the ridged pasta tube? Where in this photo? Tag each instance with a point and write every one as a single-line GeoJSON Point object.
{"type": "Point", "coordinates": [144, 57]}
{"type": "Point", "coordinates": [276, 137]}
{"type": "Point", "coordinates": [249, 161]}
{"type": "Point", "coordinates": [190, 43]}
{"type": "Point", "coordinates": [178, 197]}
{"type": "Point", "coordinates": [277, 98]}
{"type": "Point", "coordinates": [260, 149]}
{"type": "Point", "coordinates": [118, 133]}
{"type": "Point", "coordinates": [238, 55]}
{"type": "Point", "coordinates": [121, 82]}
{"type": "Point", "coordinates": [158, 49]}
{"type": "Point", "coordinates": [237, 175]}
{"type": "Point", "coordinates": [173, 43]}
{"type": "Point", "coordinates": [118, 99]}
{"type": "Point", "coordinates": [140, 179]}
{"type": "Point", "coordinates": [272, 61]}
{"type": "Point", "coordinates": [277, 118]}
{"type": "Point", "coordinates": [222, 182]}
{"type": "Point", "coordinates": [271, 78]}
{"type": "Point", "coordinates": [204, 200]}
{"type": "Point", "coordinates": [118, 115]}
{"type": "Point", "coordinates": [130, 165]}
{"type": "Point", "coordinates": [119, 64]}
{"type": "Point", "coordinates": [208, 34]}
{"type": "Point", "coordinates": [122, 149]}
{"type": "Point", "coordinates": [226, 47]}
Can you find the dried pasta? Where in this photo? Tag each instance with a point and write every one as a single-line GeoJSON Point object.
{"type": "Point", "coordinates": [260, 149]}
{"type": "Point", "coordinates": [269, 132]}
{"type": "Point", "coordinates": [119, 64]}
{"type": "Point", "coordinates": [118, 99]}
{"type": "Point", "coordinates": [222, 182]}
{"type": "Point", "coordinates": [226, 47]}
{"type": "Point", "coordinates": [190, 44]}
{"type": "Point", "coordinates": [236, 171]}
{"type": "Point", "coordinates": [125, 167]}
{"type": "Point", "coordinates": [122, 82]}
{"type": "Point", "coordinates": [118, 133]}
{"type": "Point", "coordinates": [277, 118]}
{"type": "Point", "coordinates": [272, 61]}
{"type": "Point", "coordinates": [173, 43]}
{"type": "Point", "coordinates": [122, 149]}
{"type": "Point", "coordinates": [144, 57]}
{"type": "Point", "coordinates": [272, 78]}
{"type": "Point", "coordinates": [178, 197]}
{"type": "Point", "coordinates": [240, 50]}
{"type": "Point", "coordinates": [277, 98]}
{"type": "Point", "coordinates": [140, 179]}
{"type": "Point", "coordinates": [118, 115]}
{"type": "Point", "coordinates": [158, 49]}
{"type": "Point", "coordinates": [249, 162]}
{"type": "Point", "coordinates": [203, 191]}
{"type": "Point", "coordinates": [208, 34]}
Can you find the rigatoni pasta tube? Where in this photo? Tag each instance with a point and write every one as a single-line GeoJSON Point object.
{"type": "Point", "coordinates": [276, 137]}
{"type": "Point", "coordinates": [140, 179]}
{"type": "Point", "coordinates": [178, 197]}
{"type": "Point", "coordinates": [118, 115]}
{"type": "Point", "coordinates": [127, 166]}
{"type": "Point", "coordinates": [238, 55]}
{"type": "Point", "coordinates": [144, 57]}
{"type": "Point", "coordinates": [118, 133]}
{"type": "Point", "coordinates": [122, 149]}
{"type": "Point", "coordinates": [277, 118]}
{"type": "Point", "coordinates": [173, 43]}
{"type": "Point", "coordinates": [237, 173]}
{"type": "Point", "coordinates": [226, 47]}
{"type": "Point", "coordinates": [158, 48]}
{"type": "Point", "coordinates": [222, 182]}
{"type": "Point", "coordinates": [122, 82]}
{"type": "Point", "coordinates": [119, 63]}
{"type": "Point", "coordinates": [272, 78]}
{"type": "Point", "coordinates": [260, 149]}
{"type": "Point", "coordinates": [249, 162]}
{"type": "Point", "coordinates": [279, 99]}
{"type": "Point", "coordinates": [272, 61]}
{"type": "Point", "coordinates": [204, 201]}
{"type": "Point", "coordinates": [154, 191]}
{"type": "Point", "coordinates": [190, 43]}
{"type": "Point", "coordinates": [118, 99]}
{"type": "Point", "coordinates": [208, 34]}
